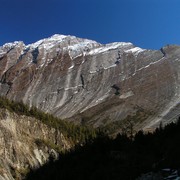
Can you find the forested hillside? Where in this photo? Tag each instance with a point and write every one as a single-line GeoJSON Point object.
{"type": "Point", "coordinates": [120, 158]}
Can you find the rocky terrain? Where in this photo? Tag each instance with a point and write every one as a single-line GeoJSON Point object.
{"type": "Point", "coordinates": [86, 82]}
{"type": "Point", "coordinates": [116, 85]}
{"type": "Point", "coordinates": [26, 143]}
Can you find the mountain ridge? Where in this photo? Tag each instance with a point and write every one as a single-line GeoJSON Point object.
{"type": "Point", "coordinates": [68, 76]}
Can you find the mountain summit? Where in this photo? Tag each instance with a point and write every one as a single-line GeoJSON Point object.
{"type": "Point", "coordinates": [87, 82]}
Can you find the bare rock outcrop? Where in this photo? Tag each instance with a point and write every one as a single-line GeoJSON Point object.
{"type": "Point", "coordinates": [25, 143]}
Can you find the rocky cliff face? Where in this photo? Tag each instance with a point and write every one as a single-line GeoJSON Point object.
{"type": "Point", "coordinates": [25, 143]}
{"type": "Point", "coordinates": [87, 82]}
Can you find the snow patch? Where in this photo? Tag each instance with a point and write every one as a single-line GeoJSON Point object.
{"type": "Point", "coordinates": [109, 47]}
{"type": "Point", "coordinates": [114, 65]}
{"type": "Point", "coordinates": [81, 48]}
{"type": "Point", "coordinates": [71, 66]}
{"type": "Point", "coordinates": [135, 50]}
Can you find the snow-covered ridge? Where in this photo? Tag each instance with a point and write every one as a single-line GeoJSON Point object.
{"type": "Point", "coordinates": [47, 43]}
{"type": "Point", "coordinates": [135, 50]}
{"type": "Point", "coordinates": [57, 39]}
{"type": "Point", "coordinates": [6, 47]}
{"type": "Point", "coordinates": [111, 46]}
{"type": "Point", "coordinates": [82, 48]}
{"type": "Point", "coordinates": [74, 46]}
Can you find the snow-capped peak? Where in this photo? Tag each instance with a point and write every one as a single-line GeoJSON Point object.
{"type": "Point", "coordinates": [47, 43]}
{"type": "Point", "coordinates": [75, 46]}
{"type": "Point", "coordinates": [57, 37]}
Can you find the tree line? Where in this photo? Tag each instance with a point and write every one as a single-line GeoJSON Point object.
{"type": "Point", "coordinates": [75, 133]}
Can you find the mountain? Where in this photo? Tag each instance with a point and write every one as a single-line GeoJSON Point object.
{"type": "Point", "coordinates": [90, 83]}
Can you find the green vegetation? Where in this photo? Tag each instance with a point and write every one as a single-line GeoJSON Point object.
{"type": "Point", "coordinates": [75, 133]}
{"type": "Point", "coordinates": [115, 159]}
{"type": "Point", "coordinates": [126, 125]}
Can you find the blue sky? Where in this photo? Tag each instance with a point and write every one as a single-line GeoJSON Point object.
{"type": "Point", "coordinates": [146, 23]}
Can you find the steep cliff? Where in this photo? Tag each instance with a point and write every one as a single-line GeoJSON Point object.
{"type": "Point", "coordinates": [87, 82]}
{"type": "Point", "coordinates": [26, 142]}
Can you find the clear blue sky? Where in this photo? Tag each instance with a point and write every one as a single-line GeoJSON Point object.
{"type": "Point", "coordinates": [146, 23]}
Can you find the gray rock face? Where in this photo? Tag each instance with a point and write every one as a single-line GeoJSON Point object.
{"type": "Point", "coordinates": [84, 81]}
{"type": "Point", "coordinates": [22, 144]}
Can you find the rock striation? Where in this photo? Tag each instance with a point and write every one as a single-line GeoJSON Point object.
{"type": "Point", "coordinates": [87, 82]}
